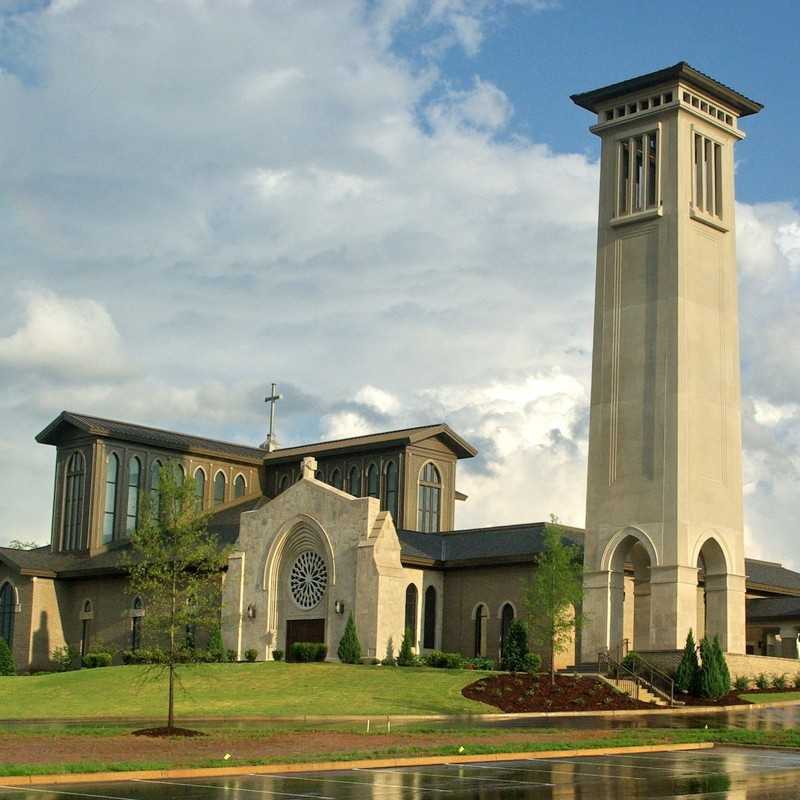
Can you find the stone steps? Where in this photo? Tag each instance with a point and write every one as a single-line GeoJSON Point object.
{"type": "Point", "coordinates": [645, 695]}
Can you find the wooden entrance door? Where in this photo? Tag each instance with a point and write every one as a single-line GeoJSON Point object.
{"type": "Point", "coordinates": [303, 630]}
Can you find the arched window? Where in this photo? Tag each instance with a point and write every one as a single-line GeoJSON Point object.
{"type": "Point", "coordinates": [336, 478]}
{"type": "Point", "coordinates": [429, 499]}
{"type": "Point", "coordinates": [132, 511]}
{"type": "Point", "coordinates": [181, 474]}
{"type": "Point", "coordinates": [506, 618]}
{"type": "Point", "coordinates": [239, 486]}
{"type": "Point", "coordinates": [155, 487]}
{"type": "Point", "coordinates": [391, 490]}
{"type": "Point", "coordinates": [73, 502]}
{"type": "Point", "coordinates": [411, 611]}
{"type": "Point", "coordinates": [429, 631]}
{"type": "Point", "coordinates": [137, 612]}
{"type": "Point", "coordinates": [354, 482]}
{"type": "Point", "coordinates": [373, 482]}
{"type": "Point", "coordinates": [219, 488]}
{"type": "Point", "coordinates": [8, 607]}
{"type": "Point", "coordinates": [110, 511]}
{"type": "Point", "coordinates": [481, 620]}
{"type": "Point", "coordinates": [200, 487]}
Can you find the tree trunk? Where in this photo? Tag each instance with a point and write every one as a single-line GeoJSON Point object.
{"type": "Point", "coordinates": [171, 713]}
{"type": "Point", "coordinates": [171, 702]}
{"type": "Point", "coordinates": [552, 660]}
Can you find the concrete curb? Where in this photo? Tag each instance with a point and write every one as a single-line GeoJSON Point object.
{"type": "Point", "coordinates": [331, 766]}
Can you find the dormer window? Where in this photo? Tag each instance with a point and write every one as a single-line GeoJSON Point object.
{"type": "Point", "coordinates": [637, 174]}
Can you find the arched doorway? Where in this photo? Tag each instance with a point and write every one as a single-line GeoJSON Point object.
{"type": "Point", "coordinates": [712, 592]}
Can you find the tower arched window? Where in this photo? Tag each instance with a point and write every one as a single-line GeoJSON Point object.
{"type": "Point", "coordinates": [354, 481]}
{"type": "Point", "coordinates": [239, 486]}
{"type": "Point", "coordinates": [390, 487]}
{"type": "Point", "coordinates": [155, 487]}
{"type": "Point", "coordinates": [481, 624]}
{"type": "Point", "coordinates": [336, 478]}
{"type": "Point", "coordinates": [506, 618]}
{"type": "Point", "coordinates": [429, 631]}
{"type": "Point", "coordinates": [219, 488]}
{"type": "Point", "coordinates": [200, 487]}
{"type": "Point", "coordinates": [73, 501]}
{"type": "Point", "coordinates": [411, 611]}
{"type": "Point", "coordinates": [429, 499]}
{"type": "Point", "coordinates": [137, 613]}
{"type": "Point", "coordinates": [8, 607]}
{"type": "Point", "coordinates": [373, 481]}
{"type": "Point", "coordinates": [110, 511]}
{"type": "Point", "coordinates": [284, 484]}
{"type": "Point", "coordinates": [132, 509]}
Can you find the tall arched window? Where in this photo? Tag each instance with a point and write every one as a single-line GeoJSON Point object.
{"type": "Point", "coordinates": [506, 618]}
{"type": "Point", "coordinates": [87, 614]}
{"type": "Point", "coordinates": [8, 607]}
{"type": "Point", "coordinates": [336, 478]}
{"type": "Point", "coordinates": [429, 499]}
{"type": "Point", "coordinates": [219, 488]}
{"type": "Point", "coordinates": [110, 511]}
{"type": "Point", "coordinates": [239, 486]}
{"type": "Point", "coordinates": [354, 482]}
{"type": "Point", "coordinates": [284, 484]}
{"type": "Point", "coordinates": [481, 620]}
{"type": "Point", "coordinates": [137, 612]}
{"type": "Point", "coordinates": [429, 631]}
{"type": "Point", "coordinates": [200, 487]}
{"type": "Point", "coordinates": [373, 481]}
{"type": "Point", "coordinates": [132, 510]}
{"type": "Point", "coordinates": [155, 487]}
{"type": "Point", "coordinates": [411, 611]}
{"type": "Point", "coordinates": [73, 502]}
{"type": "Point", "coordinates": [390, 502]}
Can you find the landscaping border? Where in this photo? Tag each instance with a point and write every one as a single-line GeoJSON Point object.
{"type": "Point", "coordinates": [333, 766]}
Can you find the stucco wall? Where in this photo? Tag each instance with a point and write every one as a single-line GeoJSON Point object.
{"type": "Point", "coordinates": [745, 665]}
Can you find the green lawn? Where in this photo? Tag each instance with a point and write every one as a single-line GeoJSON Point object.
{"type": "Point", "coordinates": [771, 697]}
{"type": "Point", "coordinates": [219, 690]}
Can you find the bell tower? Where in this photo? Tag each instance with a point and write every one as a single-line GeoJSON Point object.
{"type": "Point", "coordinates": [664, 541]}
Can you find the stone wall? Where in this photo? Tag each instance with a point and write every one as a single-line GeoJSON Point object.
{"type": "Point", "coordinates": [749, 665]}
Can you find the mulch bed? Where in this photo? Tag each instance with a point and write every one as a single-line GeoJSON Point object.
{"type": "Point", "coordinates": [159, 733]}
{"type": "Point", "coordinates": [516, 692]}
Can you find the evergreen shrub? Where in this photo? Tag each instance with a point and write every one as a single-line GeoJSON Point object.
{"type": "Point", "coordinates": [533, 663]}
{"type": "Point", "coordinates": [216, 649]}
{"type": "Point", "coordinates": [94, 660]}
{"type": "Point", "coordinates": [305, 652]}
{"type": "Point", "coordinates": [349, 651]}
{"type": "Point", "coordinates": [277, 655]}
{"type": "Point", "coordinates": [6, 659]}
{"type": "Point", "coordinates": [515, 649]}
{"type": "Point", "coordinates": [441, 660]}
{"type": "Point", "coordinates": [251, 654]}
{"type": "Point", "coordinates": [406, 657]}
{"type": "Point", "coordinates": [688, 672]}
{"type": "Point", "coordinates": [65, 658]}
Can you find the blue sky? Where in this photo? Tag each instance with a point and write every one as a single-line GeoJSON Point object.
{"type": "Point", "coordinates": [388, 207]}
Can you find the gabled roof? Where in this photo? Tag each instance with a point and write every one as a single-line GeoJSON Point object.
{"type": "Point", "coordinates": [142, 434]}
{"type": "Point", "coordinates": [769, 575]}
{"type": "Point", "coordinates": [773, 608]}
{"type": "Point", "coordinates": [682, 71]}
{"type": "Point", "coordinates": [374, 441]}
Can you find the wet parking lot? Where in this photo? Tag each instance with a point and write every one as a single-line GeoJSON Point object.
{"type": "Point", "coordinates": [724, 772]}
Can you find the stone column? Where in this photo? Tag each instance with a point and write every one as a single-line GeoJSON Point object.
{"type": "Point", "coordinates": [725, 611]}
{"type": "Point", "coordinates": [673, 606]}
{"type": "Point", "coordinates": [641, 615]}
{"type": "Point", "coordinates": [597, 611]}
{"type": "Point", "coordinates": [789, 642]}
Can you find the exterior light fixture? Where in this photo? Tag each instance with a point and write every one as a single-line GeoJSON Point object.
{"type": "Point", "coordinates": [251, 611]}
{"type": "Point", "coordinates": [338, 607]}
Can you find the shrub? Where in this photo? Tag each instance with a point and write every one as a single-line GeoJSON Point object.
{"type": "Point", "coordinates": [722, 665]}
{"type": "Point", "coordinates": [93, 660]}
{"type": "Point", "coordinates": [349, 651]}
{"type": "Point", "coordinates": [480, 662]}
{"type": "Point", "coordinates": [230, 655]}
{"type": "Point", "coordinates": [515, 648]}
{"type": "Point", "coordinates": [762, 681]}
{"type": "Point", "coordinates": [251, 654]}
{"type": "Point", "coordinates": [215, 652]}
{"type": "Point", "coordinates": [6, 659]}
{"type": "Point", "coordinates": [779, 681]}
{"type": "Point", "coordinates": [66, 658]}
{"type": "Point", "coordinates": [742, 683]}
{"type": "Point", "coordinates": [389, 659]}
{"type": "Point", "coordinates": [632, 661]}
{"type": "Point", "coordinates": [441, 660]}
{"type": "Point", "coordinates": [715, 679]}
{"type": "Point", "coordinates": [797, 680]}
{"type": "Point", "coordinates": [406, 657]}
{"type": "Point", "coordinates": [277, 655]}
{"type": "Point", "coordinates": [688, 672]}
{"type": "Point", "coordinates": [533, 663]}
{"type": "Point", "coordinates": [306, 652]}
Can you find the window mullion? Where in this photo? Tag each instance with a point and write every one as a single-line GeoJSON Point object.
{"type": "Point", "coordinates": [631, 173]}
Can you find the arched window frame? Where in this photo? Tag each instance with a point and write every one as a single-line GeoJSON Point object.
{"type": "Point", "coordinates": [336, 478]}
{"type": "Point", "coordinates": [239, 486]}
{"type": "Point", "coordinates": [480, 615]}
{"type": "Point", "coordinates": [505, 622]}
{"type": "Point", "coordinates": [391, 488]}
{"type": "Point", "coordinates": [219, 496]}
{"type": "Point", "coordinates": [74, 491]}
{"type": "Point", "coordinates": [429, 498]}
{"type": "Point", "coordinates": [412, 602]}
{"type": "Point", "coordinates": [87, 615]}
{"type": "Point", "coordinates": [429, 618]}
{"type": "Point", "coordinates": [283, 484]}
{"type": "Point", "coordinates": [200, 487]}
{"type": "Point", "coordinates": [373, 481]}
{"type": "Point", "coordinates": [111, 492]}
{"type": "Point", "coordinates": [155, 486]}
{"type": "Point", "coordinates": [9, 606]}
{"type": "Point", "coordinates": [134, 491]}
{"type": "Point", "coordinates": [354, 480]}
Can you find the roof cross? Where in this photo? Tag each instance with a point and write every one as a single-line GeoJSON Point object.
{"type": "Point", "coordinates": [273, 398]}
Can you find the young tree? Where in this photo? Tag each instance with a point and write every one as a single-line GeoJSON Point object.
{"type": "Point", "coordinates": [6, 659]}
{"type": "Point", "coordinates": [406, 658]}
{"type": "Point", "coordinates": [686, 676]}
{"type": "Point", "coordinates": [349, 647]}
{"type": "Point", "coordinates": [175, 564]}
{"type": "Point", "coordinates": [553, 595]}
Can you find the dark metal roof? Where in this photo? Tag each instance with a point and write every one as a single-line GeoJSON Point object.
{"type": "Point", "coordinates": [142, 434]}
{"type": "Point", "coordinates": [591, 100]}
{"type": "Point", "coordinates": [225, 523]}
{"type": "Point", "coordinates": [773, 608]}
{"type": "Point", "coordinates": [769, 574]}
{"type": "Point", "coordinates": [461, 447]}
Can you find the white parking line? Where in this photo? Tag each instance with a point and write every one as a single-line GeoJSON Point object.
{"type": "Point", "coordinates": [61, 791]}
{"type": "Point", "coordinates": [591, 763]}
{"type": "Point", "coordinates": [234, 789]}
{"type": "Point", "coordinates": [313, 777]}
{"type": "Point", "coordinates": [535, 769]}
{"type": "Point", "coordinates": [452, 777]}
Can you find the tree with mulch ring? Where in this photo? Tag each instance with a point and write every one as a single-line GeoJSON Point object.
{"type": "Point", "coordinates": [187, 733]}
{"type": "Point", "coordinates": [523, 692]}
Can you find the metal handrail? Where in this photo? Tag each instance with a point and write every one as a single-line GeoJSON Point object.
{"type": "Point", "coordinates": [621, 673]}
{"type": "Point", "coordinates": [642, 673]}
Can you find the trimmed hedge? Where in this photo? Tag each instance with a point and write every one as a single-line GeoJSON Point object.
{"type": "Point", "coordinates": [480, 662]}
{"type": "Point", "coordinates": [306, 652]}
{"type": "Point", "coordinates": [441, 660]}
{"type": "Point", "coordinates": [94, 660]}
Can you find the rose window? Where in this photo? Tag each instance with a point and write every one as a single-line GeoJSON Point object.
{"type": "Point", "coordinates": [308, 579]}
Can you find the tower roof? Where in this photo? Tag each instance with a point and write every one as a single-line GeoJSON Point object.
{"type": "Point", "coordinates": [682, 71]}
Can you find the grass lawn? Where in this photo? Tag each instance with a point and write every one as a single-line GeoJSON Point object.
{"type": "Point", "coordinates": [241, 690]}
{"type": "Point", "coordinates": [770, 697]}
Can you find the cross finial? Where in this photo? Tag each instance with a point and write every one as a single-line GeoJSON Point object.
{"type": "Point", "coordinates": [273, 398]}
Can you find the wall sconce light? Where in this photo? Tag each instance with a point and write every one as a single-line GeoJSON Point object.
{"type": "Point", "coordinates": [338, 607]}
{"type": "Point", "coordinates": [251, 611]}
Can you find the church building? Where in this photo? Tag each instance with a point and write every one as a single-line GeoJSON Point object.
{"type": "Point", "coordinates": [367, 525]}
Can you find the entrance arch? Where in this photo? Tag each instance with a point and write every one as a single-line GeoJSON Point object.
{"type": "Point", "coordinates": [712, 589]}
